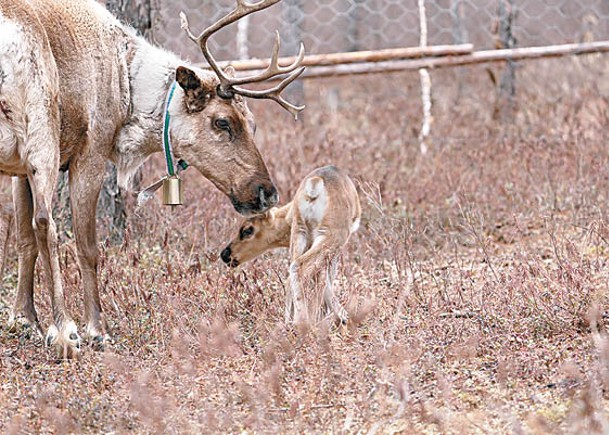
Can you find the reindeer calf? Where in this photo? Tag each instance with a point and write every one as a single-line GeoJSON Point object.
{"type": "Point", "coordinates": [315, 225]}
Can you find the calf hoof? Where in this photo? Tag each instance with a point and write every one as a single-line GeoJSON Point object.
{"type": "Point", "coordinates": [21, 325]}
{"type": "Point", "coordinates": [65, 341]}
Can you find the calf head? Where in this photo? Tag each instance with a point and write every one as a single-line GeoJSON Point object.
{"type": "Point", "coordinates": [256, 236]}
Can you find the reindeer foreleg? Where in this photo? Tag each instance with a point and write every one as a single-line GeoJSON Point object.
{"type": "Point", "coordinates": [295, 309]}
{"type": "Point", "coordinates": [86, 178]}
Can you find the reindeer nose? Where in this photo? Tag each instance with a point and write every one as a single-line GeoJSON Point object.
{"type": "Point", "coordinates": [268, 197]}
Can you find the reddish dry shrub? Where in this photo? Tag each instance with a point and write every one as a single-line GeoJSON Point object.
{"type": "Point", "coordinates": [477, 282]}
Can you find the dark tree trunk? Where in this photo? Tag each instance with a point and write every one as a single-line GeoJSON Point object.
{"type": "Point", "coordinates": [459, 37]}
{"type": "Point", "coordinates": [293, 19]}
{"type": "Point", "coordinates": [136, 13]}
{"type": "Point", "coordinates": [355, 21]}
{"type": "Point", "coordinates": [111, 207]}
{"type": "Point", "coordinates": [507, 86]}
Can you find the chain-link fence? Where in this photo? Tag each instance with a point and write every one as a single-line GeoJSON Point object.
{"type": "Point", "coordinates": [348, 25]}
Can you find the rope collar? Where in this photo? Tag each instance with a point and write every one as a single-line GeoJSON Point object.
{"type": "Point", "coordinates": [172, 171]}
{"type": "Point", "coordinates": [182, 165]}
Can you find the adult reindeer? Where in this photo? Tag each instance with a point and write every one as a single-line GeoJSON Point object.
{"type": "Point", "coordinates": [78, 88]}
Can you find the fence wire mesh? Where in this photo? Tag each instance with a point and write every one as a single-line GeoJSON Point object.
{"type": "Point", "coordinates": [348, 25]}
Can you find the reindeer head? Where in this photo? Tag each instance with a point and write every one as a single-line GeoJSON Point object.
{"type": "Point", "coordinates": [215, 132]}
{"type": "Point", "coordinates": [216, 136]}
{"type": "Point", "coordinates": [256, 236]}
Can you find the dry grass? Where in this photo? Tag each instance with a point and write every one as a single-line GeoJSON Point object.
{"type": "Point", "coordinates": [477, 282]}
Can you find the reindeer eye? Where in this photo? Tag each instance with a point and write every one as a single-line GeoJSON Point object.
{"type": "Point", "coordinates": [222, 124]}
{"type": "Point", "coordinates": [246, 232]}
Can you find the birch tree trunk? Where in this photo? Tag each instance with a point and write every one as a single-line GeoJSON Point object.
{"type": "Point", "coordinates": [243, 37]}
{"type": "Point", "coordinates": [425, 82]}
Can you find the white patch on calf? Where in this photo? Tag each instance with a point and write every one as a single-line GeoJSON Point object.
{"type": "Point", "coordinates": [354, 226]}
{"type": "Point", "coordinates": [313, 204]}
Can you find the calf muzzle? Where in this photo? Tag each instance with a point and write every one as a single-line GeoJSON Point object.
{"type": "Point", "coordinates": [225, 255]}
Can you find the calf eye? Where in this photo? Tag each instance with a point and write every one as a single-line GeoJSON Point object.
{"type": "Point", "coordinates": [222, 124]}
{"type": "Point", "coordinates": [246, 232]}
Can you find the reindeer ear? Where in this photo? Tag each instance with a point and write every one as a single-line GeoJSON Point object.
{"type": "Point", "coordinates": [196, 93]}
{"type": "Point", "coordinates": [229, 71]}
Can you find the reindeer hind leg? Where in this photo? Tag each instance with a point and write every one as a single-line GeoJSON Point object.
{"type": "Point", "coordinates": [43, 167]}
{"type": "Point", "coordinates": [23, 314]}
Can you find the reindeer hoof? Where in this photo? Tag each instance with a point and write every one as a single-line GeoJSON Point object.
{"type": "Point", "coordinates": [65, 341]}
{"type": "Point", "coordinates": [21, 325]}
{"type": "Point", "coordinates": [97, 339]}
{"type": "Point", "coordinates": [99, 342]}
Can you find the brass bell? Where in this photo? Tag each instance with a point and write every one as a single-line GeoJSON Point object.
{"type": "Point", "coordinates": [173, 191]}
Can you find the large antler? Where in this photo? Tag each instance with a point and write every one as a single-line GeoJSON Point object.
{"type": "Point", "coordinates": [229, 85]}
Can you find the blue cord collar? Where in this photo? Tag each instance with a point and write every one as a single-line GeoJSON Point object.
{"type": "Point", "coordinates": [182, 165]}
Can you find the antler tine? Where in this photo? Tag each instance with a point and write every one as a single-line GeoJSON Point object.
{"type": "Point", "coordinates": [229, 85]}
{"type": "Point", "coordinates": [186, 27]}
{"type": "Point", "coordinates": [275, 93]}
{"type": "Point", "coordinates": [241, 10]}
{"type": "Point", "coordinates": [274, 69]}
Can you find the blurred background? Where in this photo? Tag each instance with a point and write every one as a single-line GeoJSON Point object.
{"type": "Point", "coordinates": [330, 26]}
{"type": "Point", "coordinates": [467, 101]}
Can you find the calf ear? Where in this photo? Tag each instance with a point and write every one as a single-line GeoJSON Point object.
{"type": "Point", "coordinates": [197, 93]}
{"type": "Point", "coordinates": [271, 213]}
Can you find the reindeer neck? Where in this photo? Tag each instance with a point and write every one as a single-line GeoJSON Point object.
{"type": "Point", "coordinates": [151, 73]}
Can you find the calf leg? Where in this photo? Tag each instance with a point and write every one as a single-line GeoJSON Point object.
{"type": "Point", "coordinates": [295, 304]}
{"type": "Point", "coordinates": [23, 312]}
{"type": "Point", "coordinates": [331, 302]}
{"type": "Point", "coordinates": [288, 314]}
{"type": "Point", "coordinates": [86, 178]}
{"type": "Point", "coordinates": [310, 263]}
